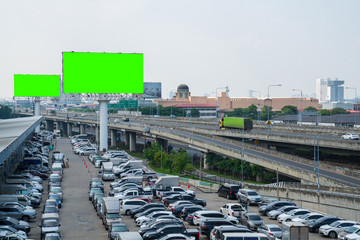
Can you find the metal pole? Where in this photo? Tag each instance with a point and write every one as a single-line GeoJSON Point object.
{"type": "Point", "coordinates": [318, 170]}
{"type": "Point", "coordinates": [268, 107]}
{"type": "Point", "coordinates": [242, 160]}
{"type": "Point", "coordinates": [277, 183]}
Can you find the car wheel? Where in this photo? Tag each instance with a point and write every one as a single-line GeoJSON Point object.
{"type": "Point", "coordinates": [127, 212]}
{"type": "Point", "coordinates": [25, 218]}
{"type": "Point", "coordinates": [332, 234]}
{"type": "Point", "coordinates": [287, 220]}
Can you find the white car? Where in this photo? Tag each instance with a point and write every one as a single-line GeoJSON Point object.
{"type": "Point", "coordinates": [286, 217]}
{"type": "Point", "coordinates": [353, 236]}
{"type": "Point", "coordinates": [127, 193]}
{"type": "Point", "coordinates": [310, 216]}
{"type": "Point", "coordinates": [145, 219]}
{"type": "Point", "coordinates": [232, 209]}
{"type": "Point", "coordinates": [351, 230]}
{"type": "Point", "coordinates": [335, 228]}
{"type": "Point", "coordinates": [87, 151]}
{"type": "Point", "coordinates": [350, 136]}
{"type": "Point", "coordinates": [201, 216]}
{"type": "Point", "coordinates": [127, 204]}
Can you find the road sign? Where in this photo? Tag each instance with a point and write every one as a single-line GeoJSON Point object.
{"type": "Point", "coordinates": [124, 103]}
{"type": "Point", "coordinates": [268, 122]}
{"type": "Point", "coordinates": [256, 141]}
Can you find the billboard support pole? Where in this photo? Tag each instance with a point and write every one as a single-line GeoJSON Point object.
{"type": "Point", "coordinates": [103, 122]}
{"type": "Point", "coordinates": [37, 111]}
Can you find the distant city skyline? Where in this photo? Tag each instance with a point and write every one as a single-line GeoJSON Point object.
{"type": "Point", "coordinates": [206, 44]}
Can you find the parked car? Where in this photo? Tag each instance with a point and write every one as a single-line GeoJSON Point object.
{"type": "Point", "coordinates": [232, 209]}
{"type": "Point", "coordinates": [52, 236]}
{"type": "Point", "coordinates": [144, 219]}
{"type": "Point", "coordinates": [272, 231]}
{"type": "Point", "coordinates": [228, 190]}
{"type": "Point", "coordinates": [286, 217]}
{"type": "Point", "coordinates": [134, 211]}
{"type": "Point", "coordinates": [49, 225]}
{"type": "Point", "coordinates": [169, 229]}
{"type": "Point", "coordinates": [190, 209]}
{"type": "Point", "coordinates": [249, 197]}
{"type": "Point", "coordinates": [127, 204]}
{"type": "Point", "coordinates": [350, 136]}
{"type": "Point", "coordinates": [307, 217]}
{"type": "Point", "coordinates": [207, 225]}
{"type": "Point", "coordinates": [351, 230]}
{"type": "Point", "coordinates": [201, 216]}
{"type": "Point", "coordinates": [314, 226]}
{"type": "Point", "coordinates": [93, 191]}
{"type": "Point", "coordinates": [115, 228]}
{"type": "Point", "coordinates": [263, 210]}
{"type": "Point", "coordinates": [13, 230]}
{"type": "Point", "coordinates": [273, 214]}
{"type": "Point", "coordinates": [251, 220]}
{"type": "Point", "coordinates": [332, 230]}
{"type": "Point", "coordinates": [159, 223]}
{"type": "Point", "coordinates": [18, 213]}
{"type": "Point", "coordinates": [217, 231]}
{"type": "Point", "coordinates": [176, 236]}
{"type": "Point", "coordinates": [15, 223]}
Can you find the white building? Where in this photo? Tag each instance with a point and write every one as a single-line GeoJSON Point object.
{"type": "Point", "coordinates": [329, 90]}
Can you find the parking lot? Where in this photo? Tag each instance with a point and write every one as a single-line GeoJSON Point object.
{"type": "Point", "coordinates": [78, 217]}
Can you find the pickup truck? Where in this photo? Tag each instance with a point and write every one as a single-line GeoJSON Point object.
{"type": "Point", "coordinates": [165, 230]}
{"type": "Point", "coordinates": [171, 199]}
{"type": "Point", "coordinates": [232, 209]}
{"type": "Point", "coordinates": [180, 190]}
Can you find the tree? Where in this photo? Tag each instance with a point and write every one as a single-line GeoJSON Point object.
{"type": "Point", "coordinates": [252, 111]}
{"type": "Point", "coordinates": [310, 109]}
{"type": "Point", "coordinates": [5, 112]}
{"type": "Point", "coordinates": [324, 112]}
{"type": "Point", "coordinates": [150, 152]}
{"type": "Point", "coordinates": [339, 111]}
{"type": "Point", "coordinates": [181, 159]}
{"type": "Point", "coordinates": [288, 110]}
{"type": "Point", "coordinates": [264, 112]}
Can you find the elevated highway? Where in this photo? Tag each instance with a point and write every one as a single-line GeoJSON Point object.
{"type": "Point", "coordinates": [212, 143]}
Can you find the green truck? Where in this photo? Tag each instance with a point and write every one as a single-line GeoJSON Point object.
{"type": "Point", "coordinates": [238, 123]}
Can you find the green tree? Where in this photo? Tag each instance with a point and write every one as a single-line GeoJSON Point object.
{"type": "Point", "coordinates": [324, 112]}
{"type": "Point", "coordinates": [150, 152]}
{"type": "Point", "coordinates": [252, 112]}
{"type": "Point", "coordinates": [288, 110]}
{"type": "Point", "coordinates": [310, 109]}
{"type": "Point", "coordinates": [195, 112]}
{"type": "Point", "coordinates": [5, 111]}
{"type": "Point", "coordinates": [264, 112]}
{"type": "Point", "coordinates": [339, 111]}
{"type": "Point", "coordinates": [181, 160]}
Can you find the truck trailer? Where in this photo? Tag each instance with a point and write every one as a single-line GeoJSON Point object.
{"type": "Point", "coordinates": [237, 123]}
{"type": "Point", "coordinates": [294, 231]}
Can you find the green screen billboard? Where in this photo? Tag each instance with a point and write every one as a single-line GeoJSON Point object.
{"type": "Point", "coordinates": [102, 72]}
{"type": "Point", "coordinates": [32, 85]}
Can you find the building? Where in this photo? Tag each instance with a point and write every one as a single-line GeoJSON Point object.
{"type": "Point", "coordinates": [224, 103]}
{"type": "Point", "coordinates": [329, 90]}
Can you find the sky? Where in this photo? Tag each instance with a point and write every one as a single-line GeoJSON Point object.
{"type": "Point", "coordinates": [245, 45]}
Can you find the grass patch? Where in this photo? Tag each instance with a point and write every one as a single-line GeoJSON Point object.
{"type": "Point", "coordinates": [230, 177]}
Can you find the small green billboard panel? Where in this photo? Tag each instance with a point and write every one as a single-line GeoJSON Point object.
{"type": "Point", "coordinates": [32, 85]}
{"type": "Point", "coordinates": [102, 72]}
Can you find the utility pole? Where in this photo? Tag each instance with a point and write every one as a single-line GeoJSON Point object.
{"type": "Point", "coordinates": [268, 113]}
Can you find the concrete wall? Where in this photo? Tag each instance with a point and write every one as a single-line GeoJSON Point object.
{"type": "Point", "coordinates": [346, 206]}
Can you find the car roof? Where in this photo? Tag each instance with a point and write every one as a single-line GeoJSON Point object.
{"type": "Point", "coordinates": [247, 190]}
{"type": "Point", "coordinates": [272, 226]}
{"type": "Point", "coordinates": [206, 211]}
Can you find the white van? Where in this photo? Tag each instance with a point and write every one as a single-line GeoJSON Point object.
{"type": "Point", "coordinates": [243, 236]}
{"type": "Point", "coordinates": [24, 199]}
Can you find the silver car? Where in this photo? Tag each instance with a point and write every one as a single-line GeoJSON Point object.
{"type": "Point", "coordinates": [335, 228]}
{"type": "Point", "coordinates": [350, 230]}
{"type": "Point", "coordinates": [272, 231]}
{"type": "Point", "coordinates": [249, 197]}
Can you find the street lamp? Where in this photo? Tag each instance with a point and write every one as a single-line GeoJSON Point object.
{"type": "Point", "coordinates": [252, 91]}
{"type": "Point", "coordinates": [356, 102]}
{"type": "Point", "coordinates": [268, 117]}
{"type": "Point", "coordinates": [217, 98]}
{"type": "Point", "coordinates": [300, 103]}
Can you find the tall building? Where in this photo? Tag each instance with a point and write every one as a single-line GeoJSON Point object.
{"type": "Point", "coordinates": [329, 90]}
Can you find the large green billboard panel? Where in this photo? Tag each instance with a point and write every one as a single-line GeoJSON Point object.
{"type": "Point", "coordinates": [32, 85]}
{"type": "Point", "coordinates": [85, 72]}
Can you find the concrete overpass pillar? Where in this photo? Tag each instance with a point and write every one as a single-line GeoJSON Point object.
{"type": "Point", "coordinates": [97, 136]}
{"type": "Point", "coordinates": [50, 125]}
{"type": "Point", "coordinates": [127, 137]}
{"type": "Point", "coordinates": [69, 129]}
{"type": "Point", "coordinates": [132, 141]}
{"type": "Point", "coordinates": [206, 166]}
{"type": "Point", "coordinates": [37, 112]}
{"type": "Point", "coordinates": [57, 125]}
{"type": "Point", "coordinates": [113, 136]}
{"type": "Point", "coordinates": [82, 128]}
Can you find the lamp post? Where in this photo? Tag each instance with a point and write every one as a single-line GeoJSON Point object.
{"type": "Point", "coordinates": [268, 117]}
{"type": "Point", "coordinates": [217, 98]}
{"type": "Point", "coordinates": [258, 104]}
{"type": "Point", "coordinates": [300, 103]}
{"type": "Point", "coordinates": [356, 102]}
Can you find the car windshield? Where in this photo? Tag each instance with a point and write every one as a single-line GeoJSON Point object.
{"type": "Point", "coordinates": [252, 194]}
{"type": "Point", "coordinates": [235, 188]}
{"type": "Point", "coordinates": [52, 238]}
{"type": "Point", "coordinates": [275, 229]}
{"type": "Point", "coordinates": [292, 211]}
{"type": "Point", "coordinates": [351, 229]}
{"type": "Point", "coordinates": [55, 190]}
{"type": "Point", "coordinates": [236, 208]}
{"type": "Point", "coordinates": [334, 224]}
{"type": "Point", "coordinates": [304, 216]}
{"type": "Point", "coordinates": [254, 217]}
{"type": "Point", "coordinates": [95, 190]}
{"type": "Point", "coordinates": [50, 210]}
{"type": "Point", "coordinates": [119, 229]}
{"type": "Point", "coordinates": [54, 196]}
{"type": "Point", "coordinates": [50, 223]}
{"type": "Point", "coordinates": [113, 215]}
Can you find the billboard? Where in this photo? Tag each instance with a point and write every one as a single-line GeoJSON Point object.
{"type": "Point", "coordinates": [33, 85]}
{"type": "Point", "coordinates": [152, 90]}
{"type": "Point", "coordinates": [85, 72]}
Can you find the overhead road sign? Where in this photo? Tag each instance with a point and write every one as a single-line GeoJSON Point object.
{"type": "Point", "coordinates": [33, 85]}
{"type": "Point", "coordinates": [85, 72]}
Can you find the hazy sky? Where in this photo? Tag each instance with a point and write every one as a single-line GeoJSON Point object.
{"type": "Point", "coordinates": [204, 44]}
